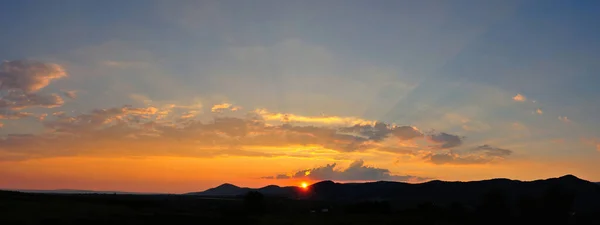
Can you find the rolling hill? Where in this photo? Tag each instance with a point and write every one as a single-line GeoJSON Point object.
{"type": "Point", "coordinates": [586, 194]}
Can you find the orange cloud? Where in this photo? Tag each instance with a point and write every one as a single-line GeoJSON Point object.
{"type": "Point", "coordinates": [519, 98]}
{"type": "Point", "coordinates": [224, 106]}
{"type": "Point", "coordinates": [288, 117]}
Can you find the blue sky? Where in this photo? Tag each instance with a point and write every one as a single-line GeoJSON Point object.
{"type": "Point", "coordinates": [515, 75]}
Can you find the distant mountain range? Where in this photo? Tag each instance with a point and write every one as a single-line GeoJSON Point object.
{"type": "Point", "coordinates": [72, 191]}
{"type": "Point", "coordinates": [228, 190]}
{"type": "Point", "coordinates": [587, 194]}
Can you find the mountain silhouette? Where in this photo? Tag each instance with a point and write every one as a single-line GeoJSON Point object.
{"type": "Point", "coordinates": [586, 194]}
{"type": "Point", "coordinates": [225, 189]}
{"type": "Point", "coordinates": [228, 190]}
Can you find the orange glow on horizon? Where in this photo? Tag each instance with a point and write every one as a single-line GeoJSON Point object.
{"type": "Point", "coordinates": [304, 185]}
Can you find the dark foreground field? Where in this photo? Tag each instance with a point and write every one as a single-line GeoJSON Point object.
{"type": "Point", "coordinates": [28, 208]}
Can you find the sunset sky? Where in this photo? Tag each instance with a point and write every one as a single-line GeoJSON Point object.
{"type": "Point", "coordinates": [180, 96]}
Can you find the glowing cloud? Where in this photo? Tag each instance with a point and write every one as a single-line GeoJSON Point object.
{"type": "Point", "coordinates": [224, 106]}
{"type": "Point", "coordinates": [539, 111]}
{"type": "Point", "coordinates": [357, 171]}
{"type": "Point", "coordinates": [288, 117]}
{"type": "Point", "coordinates": [519, 98]}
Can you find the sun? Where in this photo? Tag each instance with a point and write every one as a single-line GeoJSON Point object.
{"type": "Point", "coordinates": [304, 185]}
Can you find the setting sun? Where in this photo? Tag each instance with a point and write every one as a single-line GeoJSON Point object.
{"type": "Point", "coordinates": [304, 185]}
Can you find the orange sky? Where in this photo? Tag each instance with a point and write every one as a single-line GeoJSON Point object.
{"type": "Point", "coordinates": [164, 97]}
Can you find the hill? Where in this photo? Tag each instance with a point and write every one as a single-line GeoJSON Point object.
{"type": "Point", "coordinates": [586, 194]}
{"type": "Point", "coordinates": [230, 190]}
{"type": "Point", "coordinates": [72, 191]}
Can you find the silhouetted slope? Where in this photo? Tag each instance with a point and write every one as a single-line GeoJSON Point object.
{"type": "Point", "coordinates": [72, 191]}
{"type": "Point", "coordinates": [224, 190]}
{"type": "Point", "coordinates": [232, 190]}
{"type": "Point", "coordinates": [586, 194]}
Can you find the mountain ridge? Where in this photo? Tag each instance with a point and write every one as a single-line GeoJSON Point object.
{"type": "Point", "coordinates": [441, 192]}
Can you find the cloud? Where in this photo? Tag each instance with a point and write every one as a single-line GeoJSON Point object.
{"type": "Point", "coordinates": [224, 106]}
{"type": "Point", "coordinates": [357, 171]}
{"type": "Point", "coordinates": [478, 155]}
{"type": "Point", "coordinates": [28, 76]}
{"type": "Point", "coordinates": [592, 142]}
{"type": "Point", "coordinates": [21, 79]}
{"type": "Point", "coordinates": [129, 130]}
{"type": "Point", "coordinates": [70, 94]}
{"type": "Point", "coordinates": [288, 118]}
{"type": "Point", "coordinates": [452, 158]}
{"type": "Point", "coordinates": [493, 151]}
{"type": "Point", "coordinates": [445, 140]}
{"type": "Point", "coordinates": [564, 119]}
{"type": "Point", "coordinates": [519, 98]}
{"type": "Point", "coordinates": [125, 64]}
{"type": "Point", "coordinates": [7, 115]}
{"type": "Point", "coordinates": [380, 131]}
{"type": "Point", "coordinates": [20, 100]}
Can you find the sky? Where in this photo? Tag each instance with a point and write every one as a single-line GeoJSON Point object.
{"type": "Point", "coordinates": [181, 96]}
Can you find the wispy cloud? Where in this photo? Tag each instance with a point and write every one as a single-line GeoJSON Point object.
{"type": "Point", "coordinates": [445, 140]}
{"type": "Point", "coordinates": [595, 142]}
{"type": "Point", "coordinates": [564, 119]}
{"type": "Point", "coordinates": [145, 128]}
{"type": "Point", "coordinates": [224, 106]}
{"type": "Point", "coordinates": [289, 117]}
{"type": "Point", "coordinates": [70, 94]}
{"type": "Point", "coordinates": [125, 64]}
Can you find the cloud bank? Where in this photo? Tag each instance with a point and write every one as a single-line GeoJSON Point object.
{"type": "Point", "coordinates": [357, 171]}
{"type": "Point", "coordinates": [178, 130]}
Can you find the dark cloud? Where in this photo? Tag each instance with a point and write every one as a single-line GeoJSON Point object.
{"type": "Point", "coordinates": [493, 151]}
{"type": "Point", "coordinates": [15, 100]}
{"type": "Point", "coordinates": [28, 76]}
{"type": "Point", "coordinates": [478, 155]}
{"type": "Point", "coordinates": [357, 171]}
{"type": "Point", "coordinates": [70, 94]}
{"type": "Point", "coordinates": [381, 131]}
{"type": "Point", "coordinates": [20, 81]}
{"type": "Point", "coordinates": [451, 158]}
{"type": "Point", "coordinates": [406, 133]}
{"type": "Point", "coordinates": [445, 140]}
